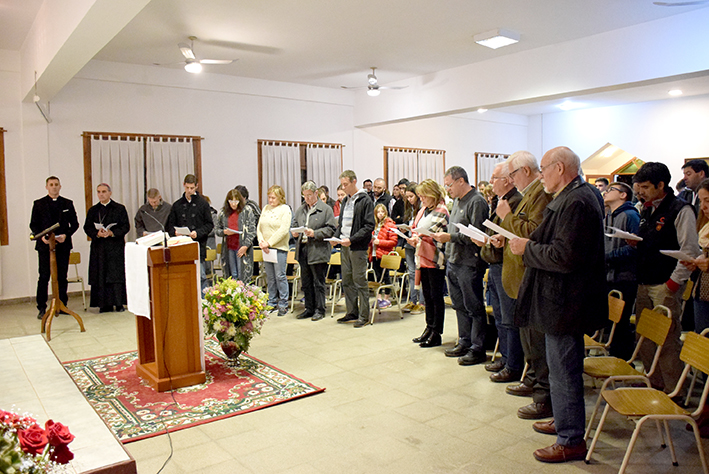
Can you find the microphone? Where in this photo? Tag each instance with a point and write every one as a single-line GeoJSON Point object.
{"type": "Point", "coordinates": [166, 250]}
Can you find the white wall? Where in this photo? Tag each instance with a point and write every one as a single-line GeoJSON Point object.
{"type": "Point", "coordinates": [215, 108]}
{"type": "Point", "coordinates": [667, 131]}
{"type": "Point", "coordinates": [460, 136]}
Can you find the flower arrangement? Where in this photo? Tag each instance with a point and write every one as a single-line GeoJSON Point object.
{"type": "Point", "coordinates": [26, 447]}
{"type": "Point", "coordinates": [234, 311]}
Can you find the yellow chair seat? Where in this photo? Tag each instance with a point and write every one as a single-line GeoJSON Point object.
{"type": "Point", "coordinates": [641, 401]}
{"type": "Point", "coordinates": [602, 367]}
{"type": "Point", "coordinates": [589, 342]}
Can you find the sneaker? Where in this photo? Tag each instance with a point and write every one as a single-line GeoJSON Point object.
{"type": "Point", "coordinates": [407, 307]}
{"type": "Point", "coordinates": [418, 309]}
{"type": "Point", "coordinates": [360, 323]}
{"type": "Point", "coordinates": [381, 304]}
{"type": "Point", "coordinates": [282, 311]}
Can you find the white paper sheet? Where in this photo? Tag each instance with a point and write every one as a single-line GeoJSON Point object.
{"type": "Point", "coordinates": [271, 256]}
{"type": "Point", "coordinates": [333, 239]}
{"type": "Point", "coordinates": [621, 234]}
{"type": "Point", "coordinates": [137, 285]}
{"type": "Point", "coordinates": [491, 225]}
{"type": "Point", "coordinates": [472, 231]}
{"type": "Point", "coordinates": [182, 231]}
{"type": "Point", "coordinates": [678, 254]}
{"type": "Point", "coordinates": [298, 230]}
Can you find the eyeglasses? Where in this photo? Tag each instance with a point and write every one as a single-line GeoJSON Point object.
{"type": "Point", "coordinates": [233, 201]}
{"type": "Point", "coordinates": [495, 178]}
{"type": "Point", "coordinates": [614, 189]}
{"type": "Point", "coordinates": [542, 168]}
{"type": "Point", "coordinates": [513, 173]}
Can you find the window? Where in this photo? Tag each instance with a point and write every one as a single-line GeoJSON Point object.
{"type": "Point", "coordinates": [290, 164]}
{"type": "Point", "coordinates": [133, 163]}
{"type": "Point", "coordinates": [485, 164]}
{"type": "Point", "coordinates": [4, 236]}
{"type": "Point", "coordinates": [414, 164]}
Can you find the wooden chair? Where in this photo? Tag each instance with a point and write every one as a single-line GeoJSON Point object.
{"type": "Point", "coordinates": [402, 276]}
{"type": "Point", "coordinates": [335, 284]}
{"type": "Point", "coordinates": [694, 376]}
{"type": "Point", "coordinates": [389, 263]}
{"type": "Point", "coordinates": [75, 259]}
{"type": "Point", "coordinates": [218, 264]}
{"type": "Point", "coordinates": [211, 258]}
{"type": "Point", "coordinates": [615, 311]}
{"type": "Point", "coordinates": [293, 279]}
{"type": "Point", "coordinates": [261, 277]}
{"type": "Point", "coordinates": [654, 326]}
{"type": "Point", "coordinates": [644, 404]}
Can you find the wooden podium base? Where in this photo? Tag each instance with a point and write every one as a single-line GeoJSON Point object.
{"type": "Point", "coordinates": [149, 372]}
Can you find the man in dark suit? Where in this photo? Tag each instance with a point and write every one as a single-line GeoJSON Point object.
{"type": "Point", "coordinates": [46, 212]}
{"type": "Point", "coordinates": [563, 294]}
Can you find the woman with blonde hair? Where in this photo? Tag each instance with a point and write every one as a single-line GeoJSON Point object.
{"type": "Point", "coordinates": [273, 232]}
{"type": "Point", "coordinates": [237, 225]}
{"type": "Point", "coordinates": [430, 258]}
{"type": "Point", "coordinates": [383, 241]}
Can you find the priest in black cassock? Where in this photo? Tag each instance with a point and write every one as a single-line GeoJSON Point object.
{"type": "Point", "coordinates": [107, 275]}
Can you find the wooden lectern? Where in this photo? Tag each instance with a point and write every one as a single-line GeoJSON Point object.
{"type": "Point", "coordinates": [170, 343]}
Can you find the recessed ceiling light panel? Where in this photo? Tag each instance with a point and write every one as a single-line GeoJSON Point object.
{"type": "Point", "coordinates": [675, 92]}
{"type": "Point", "coordinates": [570, 105]}
{"type": "Point", "coordinates": [497, 38]}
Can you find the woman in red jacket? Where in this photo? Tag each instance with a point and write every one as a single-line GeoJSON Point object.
{"type": "Point", "coordinates": [383, 241]}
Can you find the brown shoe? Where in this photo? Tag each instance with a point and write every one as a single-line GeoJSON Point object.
{"type": "Point", "coordinates": [535, 411]}
{"type": "Point", "coordinates": [496, 366]}
{"type": "Point", "coordinates": [559, 453]}
{"type": "Point", "coordinates": [519, 390]}
{"type": "Point", "coordinates": [505, 376]}
{"type": "Point", "coordinates": [544, 427]}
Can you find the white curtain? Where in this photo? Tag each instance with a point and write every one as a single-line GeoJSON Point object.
{"type": "Point", "coordinates": [402, 164]}
{"type": "Point", "coordinates": [324, 165]}
{"type": "Point", "coordinates": [120, 164]}
{"type": "Point", "coordinates": [486, 165]}
{"type": "Point", "coordinates": [281, 166]}
{"type": "Point", "coordinates": [431, 165]}
{"type": "Point", "coordinates": [167, 163]}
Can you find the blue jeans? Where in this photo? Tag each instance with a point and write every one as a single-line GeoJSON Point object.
{"type": "Point", "coordinates": [234, 262]}
{"type": "Point", "coordinates": [503, 308]}
{"type": "Point", "coordinates": [415, 296]}
{"type": "Point", "coordinates": [277, 280]}
{"type": "Point", "coordinates": [465, 285]}
{"type": "Point", "coordinates": [565, 358]}
{"type": "Point", "coordinates": [204, 283]}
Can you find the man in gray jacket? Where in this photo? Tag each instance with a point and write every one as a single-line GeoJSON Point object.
{"type": "Point", "coordinates": [465, 268]}
{"type": "Point", "coordinates": [312, 252]}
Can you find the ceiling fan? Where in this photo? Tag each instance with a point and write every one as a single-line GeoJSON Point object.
{"type": "Point", "coordinates": [194, 65]}
{"type": "Point", "coordinates": [373, 87]}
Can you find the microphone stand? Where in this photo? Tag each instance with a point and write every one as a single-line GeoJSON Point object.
{"type": "Point", "coordinates": [56, 305]}
{"type": "Point", "coordinates": [166, 250]}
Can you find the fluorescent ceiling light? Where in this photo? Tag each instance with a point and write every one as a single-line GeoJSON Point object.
{"type": "Point", "coordinates": [569, 105]}
{"type": "Point", "coordinates": [373, 92]}
{"type": "Point", "coordinates": [482, 110]}
{"type": "Point", "coordinates": [675, 92]}
{"type": "Point", "coordinates": [193, 66]}
{"type": "Point", "coordinates": [497, 38]}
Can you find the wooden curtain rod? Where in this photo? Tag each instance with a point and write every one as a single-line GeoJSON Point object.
{"type": "Point", "coordinates": [281, 143]}
{"type": "Point", "coordinates": [139, 135]}
{"type": "Point", "coordinates": [398, 148]}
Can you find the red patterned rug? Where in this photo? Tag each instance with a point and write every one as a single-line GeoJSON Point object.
{"type": "Point", "coordinates": [134, 411]}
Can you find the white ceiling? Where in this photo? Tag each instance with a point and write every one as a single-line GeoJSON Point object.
{"type": "Point", "coordinates": [333, 43]}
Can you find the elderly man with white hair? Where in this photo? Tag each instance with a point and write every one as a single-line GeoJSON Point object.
{"type": "Point", "coordinates": [563, 293]}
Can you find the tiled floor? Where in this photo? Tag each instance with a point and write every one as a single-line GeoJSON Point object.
{"type": "Point", "coordinates": [389, 407]}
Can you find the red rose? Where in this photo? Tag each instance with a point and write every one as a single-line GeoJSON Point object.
{"type": "Point", "coordinates": [58, 434]}
{"type": "Point", "coordinates": [32, 440]}
{"type": "Point", "coordinates": [61, 454]}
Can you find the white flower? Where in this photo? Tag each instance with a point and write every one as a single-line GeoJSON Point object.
{"type": "Point", "coordinates": [231, 332]}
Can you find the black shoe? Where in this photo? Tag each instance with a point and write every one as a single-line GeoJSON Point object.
{"type": "Point", "coordinates": [40, 315]}
{"type": "Point", "coordinates": [424, 335]}
{"type": "Point", "coordinates": [304, 315]}
{"type": "Point", "coordinates": [318, 316]}
{"type": "Point", "coordinates": [472, 358]}
{"type": "Point", "coordinates": [106, 309]}
{"type": "Point", "coordinates": [434, 340]}
{"type": "Point", "coordinates": [519, 390]}
{"type": "Point", "coordinates": [360, 323]}
{"type": "Point", "coordinates": [457, 351]}
{"type": "Point", "coordinates": [120, 309]}
{"type": "Point", "coordinates": [535, 411]}
{"type": "Point", "coordinates": [496, 366]}
{"type": "Point", "coordinates": [348, 318]}
{"type": "Point", "coordinates": [505, 376]}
